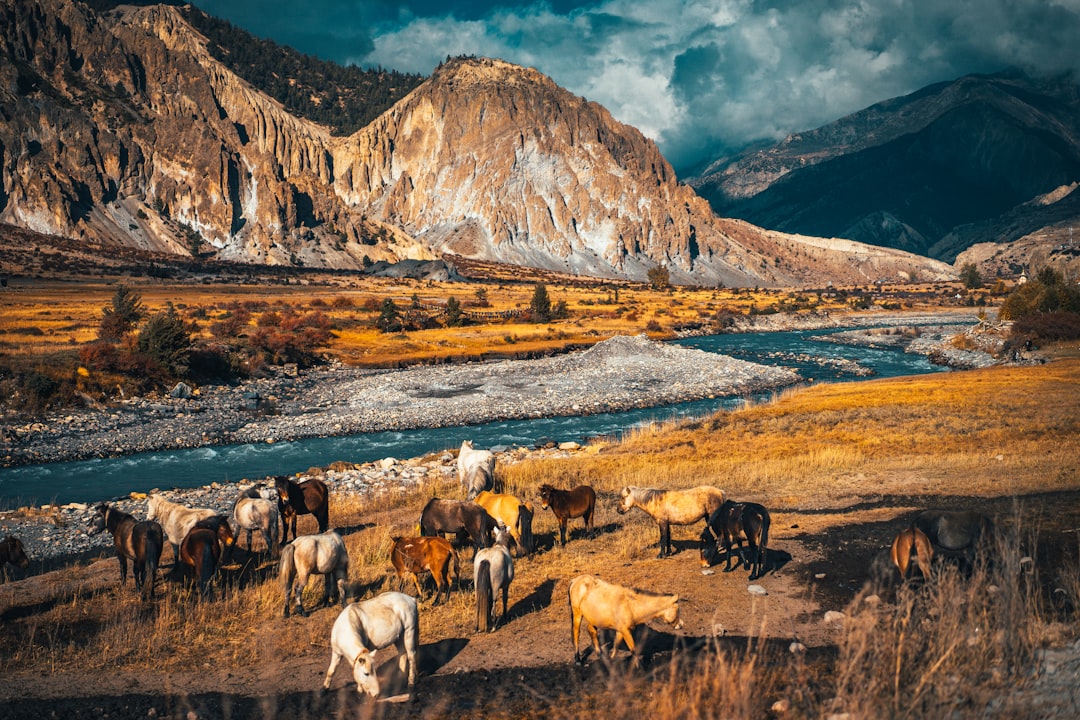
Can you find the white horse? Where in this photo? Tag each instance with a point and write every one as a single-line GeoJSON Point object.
{"type": "Point", "coordinates": [493, 570]}
{"type": "Point", "coordinates": [324, 553]}
{"type": "Point", "coordinates": [364, 627]}
{"type": "Point", "coordinates": [175, 519]}
{"type": "Point", "coordinates": [476, 469]}
{"type": "Point", "coordinates": [253, 510]}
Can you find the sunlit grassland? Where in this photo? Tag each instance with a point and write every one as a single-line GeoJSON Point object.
{"type": "Point", "coordinates": [38, 318]}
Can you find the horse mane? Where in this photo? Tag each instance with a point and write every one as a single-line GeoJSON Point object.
{"type": "Point", "coordinates": [645, 495]}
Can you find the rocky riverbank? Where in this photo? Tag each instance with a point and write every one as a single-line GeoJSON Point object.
{"type": "Point", "coordinates": [620, 373]}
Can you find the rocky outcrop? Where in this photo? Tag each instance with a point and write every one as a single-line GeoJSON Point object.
{"type": "Point", "coordinates": [122, 128]}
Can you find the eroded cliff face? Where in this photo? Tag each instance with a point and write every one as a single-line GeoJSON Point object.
{"type": "Point", "coordinates": [122, 128]}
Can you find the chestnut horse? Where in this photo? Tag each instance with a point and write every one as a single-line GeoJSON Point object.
{"type": "Point", "coordinates": [200, 551]}
{"type": "Point", "coordinates": [566, 504]}
{"type": "Point", "coordinates": [672, 507]}
{"type": "Point", "coordinates": [12, 551]}
{"type": "Point", "coordinates": [912, 541]}
{"type": "Point", "coordinates": [141, 541]}
{"type": "Point", "coordinates": [731, 524]}
{"type": "Point", "coordinates": [309, 497]}
{"type": "Point", "coordinates": [414, 555]}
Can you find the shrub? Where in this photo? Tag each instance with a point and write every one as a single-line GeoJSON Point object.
{"type": "Point", "coordinates": [540, 305]}
{"type": "Point", "coordinates": [389, 319]}
{"type": "Point", "coordinates": [166, 340]}
{"type": "Point", "coordinates": [122, 316]}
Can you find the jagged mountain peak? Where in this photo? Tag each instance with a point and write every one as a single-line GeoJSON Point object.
{"type": "Point", "coordinates": [124, 128]}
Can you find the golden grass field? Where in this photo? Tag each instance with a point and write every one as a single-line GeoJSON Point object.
{"type": "Point", "coordinates": [841, 468]}
{"type": "Point", "coordinates": [45, 317]}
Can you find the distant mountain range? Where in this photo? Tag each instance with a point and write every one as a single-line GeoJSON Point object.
{"type": "Point", "coordinates": [124, 126]}
{"type": "Point", "coordinates": [934, 172]}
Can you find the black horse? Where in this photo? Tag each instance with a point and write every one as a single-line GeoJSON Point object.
{"type": "Point", "coordinates": [12, 551]}
{"type": "Point", "coordinates": [463, 518]}
{"type": "Point", "coordinates": [140, 541]}
{"type": "Point", "coordinates": [731, 524]}
{"type": "Point", "coordinates": [959, 536]}
{"type": "Point", "coordinates": [304, 498]}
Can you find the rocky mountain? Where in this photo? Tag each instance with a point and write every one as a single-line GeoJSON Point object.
{"type": "Point", "coordinates": [932, 172]}
{"type": "Point", "coordinates": [122, 128]}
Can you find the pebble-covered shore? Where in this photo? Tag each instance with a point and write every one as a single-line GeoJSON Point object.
{"type": "Point", "coordinates": [620, 373]}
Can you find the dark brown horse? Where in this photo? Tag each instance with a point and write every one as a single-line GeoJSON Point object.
{"type": "Point", "coordinates": [200, 551]}
{"type": "Point", "coordinates": [731, 524]}
{"type": "Point", "coordinates": [12, 551]}
{"type": "Point", "coordinates": [414, 555]}
{"type": "Point", "coordinates": [566, 504]}
{"type": "Point", "coordinates": [463, 518]}
{"type": "Point", "coordinates": [309, 497]}
{"type": "Point", "coordinates": [140, 541]}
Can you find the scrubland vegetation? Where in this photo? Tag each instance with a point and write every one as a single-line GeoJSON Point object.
{"type": "Point", "coordinates": [840, 467]}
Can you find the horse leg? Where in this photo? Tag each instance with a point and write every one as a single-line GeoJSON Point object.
{"type": "Point", "coordinates": [562, 531]}
{"type": "Point", "coordinates": [575, 630]}
{"type": "Point", "coordinates": [123, 569]}
{"type": "Point", "coordinates": [335, 658]}
{"type": "Point", "coordinates": [505, 592]}
{"type": "Point", "coordinates": [665, 539]}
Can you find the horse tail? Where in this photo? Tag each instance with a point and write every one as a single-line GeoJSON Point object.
{"type": "Point", "coordinates": [763, 543]}
{"type": "Point", "coordinates": [287, 570]}
{"type": "Point", "coordinates": [207, 567]}
{"type": "Point", "coordinates": [525, 518]}
{"type": "Point", "coordinates": [484, 596]}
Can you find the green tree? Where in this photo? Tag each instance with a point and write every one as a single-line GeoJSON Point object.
{"type": "Point", "coordinates": [540, 306]}
{"type": "Point", "coordinates": [389, 319]}
{"type": "Point", "coordinates": [481, 297]}
{"type": "Point", "coordinates": [969, 275]}
{"type": "Point", "coordinates": [120, 318]}
{"type": "Point", "coordinates": [454, 316]}
{"type": "Point", "coordinates": [659, 277]}
{"type": "Point", "coordinates": [1049, 292]}
{"type": "Point", "coordinates": [166, 339]}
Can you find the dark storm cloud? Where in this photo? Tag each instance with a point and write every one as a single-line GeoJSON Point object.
{"type": "Point", "coordinates": [695, 75]}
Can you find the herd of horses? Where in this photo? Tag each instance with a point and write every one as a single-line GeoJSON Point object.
{"type": "Point", "coordinates": [497, 526]}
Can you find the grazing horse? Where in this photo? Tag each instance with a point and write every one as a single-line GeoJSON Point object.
{"type": "Point", "coordinates": [309, 497]}
{"type": "Point", "coordinates": [201, 552]}
{"type": "Point", "coordinates": [959, 535]}
{"type": "Point", "coordinates": [252, 511]}
{"type": "Point", "coordinates": [140, 541]}
{"type": "Point", "coordinates": [912, 541]}
{"type": "Point", "coordinates": [12, 551]}
{"type": "Point", "coordinates": [672, 507]}
{"type": "Point", "coordinates": [461, 517]}
{"type": "Point", "coordinates": [324, 553]}
{"type": "Point", "coordinates": [365, 627]}
{"type": "Point", "coordinates": [731, 524]}
{"type": "Point", "coordinates": [604, 605]}
{"type": "Point", "coordinates": [476, 469]}
{"type": "Point", "coordinates": [511, 512]}
{"type": "Point", "coordinates": [493, 570]}
{"type": "Point", "coordinates": [414, 555]}
{"type": "Point", "coordinates": [567, 504]}
{"type": "Point", "coordinates": [176, 519]}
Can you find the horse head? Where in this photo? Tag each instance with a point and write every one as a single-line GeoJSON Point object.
{"type": "Point", "coordinates": [545, 495]}
{"type": "Point", "coordinates": [16, 552]}
{"type": "Point", "coordinates": [626, 500]}
{"type": "Point", "coordinates": [97, 522]}
{"type": "Point", "coordinates": [364, 673]}
{"type": "Point", "coordinates": [671, 615]}
{"type": "Point", "coordinates": [709, 547]}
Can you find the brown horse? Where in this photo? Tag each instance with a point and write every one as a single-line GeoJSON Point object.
{"type": "Point", "coordinates": [12, 551]}
{"type": "Point", "coordinates": [414, 555]}
{"type": "Point", "coordinates": [731, 524]}
{"type": "Point", "coordinates": [200, 551]}
{"type": "Point", "coordinates": [309, 497]}
{"type": "Point", "coordinates": [567, 504]}
{"type": "Point", "coordinates": [672, 507]}
{"type": "Point", "coordinates": [140, 541]}
{"type": "Point", "coordinates": [460, 517]}
{"type": "Point", "coordinates": [912, 541]}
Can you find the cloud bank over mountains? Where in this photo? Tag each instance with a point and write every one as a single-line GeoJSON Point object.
{"type": "Point", "coordinates": [697, 76]}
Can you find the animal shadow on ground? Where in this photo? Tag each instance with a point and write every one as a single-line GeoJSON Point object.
{"type": "Point", "coordinates": [550, 540]}
{"type": "Point", "coordinates": [537, 599]}
{"type": "Point", "coordinates": [774, 560]}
